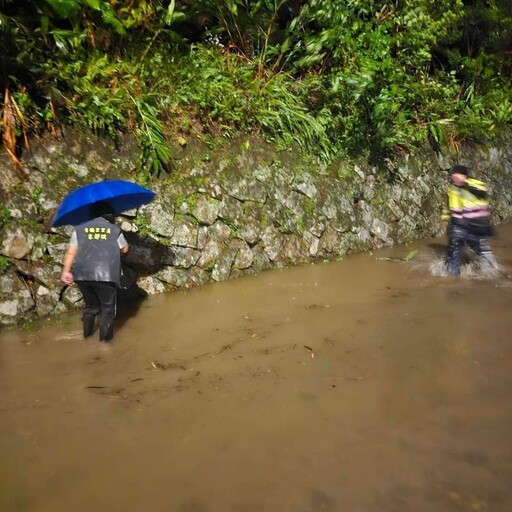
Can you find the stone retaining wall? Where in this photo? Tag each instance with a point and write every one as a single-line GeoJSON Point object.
{"type": "Point", "coordinates": [241, 210]}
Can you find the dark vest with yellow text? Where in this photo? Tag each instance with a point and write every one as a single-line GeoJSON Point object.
{"type": "Point", "coordinates": [98, 257]}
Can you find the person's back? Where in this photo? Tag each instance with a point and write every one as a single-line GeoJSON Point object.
{"type": "Point", "coordinates": [94, 254]}
{"type": "Point", "coordinates": [98, 257]}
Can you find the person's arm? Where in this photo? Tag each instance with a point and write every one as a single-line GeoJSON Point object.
{"type": "Point", "coordinates": [477, 188]}
{"type": "Point", "coordinates": [445, 214]}
{"type": "Point", "coordinates": [123, 244]}
{"type": "Point", "coordinates": [69, 257]}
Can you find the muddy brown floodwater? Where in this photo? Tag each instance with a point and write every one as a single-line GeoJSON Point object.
{"type": "Point", "coordinates": [363, 385]}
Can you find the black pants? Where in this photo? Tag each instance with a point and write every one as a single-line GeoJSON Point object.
{"type": "Point", "coordinates": [458, 237]}
{"type": "Point", "coordinates": [100, 298]}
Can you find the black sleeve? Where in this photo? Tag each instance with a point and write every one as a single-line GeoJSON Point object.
{"type": "Point", "coordinates": [481, 194]}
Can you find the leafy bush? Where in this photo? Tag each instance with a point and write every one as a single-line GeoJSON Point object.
{"type": "Point", "coordinates": [227, 92]}
{"type": "Point", "coordinates": [362, 77]}
{"type": "Point", "coordinates": [107, 96]}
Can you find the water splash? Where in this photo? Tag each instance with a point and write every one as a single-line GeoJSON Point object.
{"type": "Point", "coordinates": [477, 267]}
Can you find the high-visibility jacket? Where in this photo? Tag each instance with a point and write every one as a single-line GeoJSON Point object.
{"type": "Point", "coordinates": [468, 206]}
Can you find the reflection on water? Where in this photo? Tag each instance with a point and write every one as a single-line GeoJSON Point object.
{"type": "Point", "coordinates": [363, 385]}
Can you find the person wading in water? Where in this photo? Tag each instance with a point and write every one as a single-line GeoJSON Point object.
{"type": "Point", "coordinates": [93, 261]}
{"type": "Point", "coordinates": [468, 213]}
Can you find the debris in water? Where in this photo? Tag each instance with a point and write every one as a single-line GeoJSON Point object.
{"type": "Point", "coordinates": [310, 350]}
{"type": "Point", "coordinates": [167, 366]}
{"type": "Point", "coordinates": [73, 335]}
{"type": "Point", "coordinates": [406, 259]}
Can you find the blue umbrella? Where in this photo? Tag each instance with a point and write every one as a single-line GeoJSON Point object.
{"type": "Point", "coordinates": [119, 194]}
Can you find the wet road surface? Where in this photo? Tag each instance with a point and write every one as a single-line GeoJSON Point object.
{"type": "Point", "coordinates": [362, 385]}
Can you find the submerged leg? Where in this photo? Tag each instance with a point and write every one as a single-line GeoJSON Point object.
{"type": "Point", "coordinates": [456, 237]}
{"type": "Point", "coordinates": [107, 292]}
{"type": "Point", "coordinates": [487, 256]}
{"type": "Point", "coordinates": [106, 328]}
{"type": "Point", "coordinates": [481, 247]}
{"type": "Point", "coordinates": [88, 324]}
{"type": "Point", "coordinates": [92, 306]}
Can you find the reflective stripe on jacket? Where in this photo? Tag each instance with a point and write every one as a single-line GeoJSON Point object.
{"type": "Point", "coordinates": [464, 202]}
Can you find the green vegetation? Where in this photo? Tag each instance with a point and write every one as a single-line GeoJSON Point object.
{"type": "Point", "coordinates": [4, 264]}
{"type": "Point", "coordinates": [142, 224]}
{"type": "Point", "coordinates": [36, 194]}
{"type": "Point", "coordinates": [5, 216]}
{"type": "Point", "coordinates": [357, 78]}
{"type": "Point", "coordinates": [189, 199]}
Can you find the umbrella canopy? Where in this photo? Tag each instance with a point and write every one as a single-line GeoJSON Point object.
{"type": "Point", "coordinates": [119, 194]}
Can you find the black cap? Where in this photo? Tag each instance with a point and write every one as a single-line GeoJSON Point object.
{"type": "Point", "coordinates": [460, 169]}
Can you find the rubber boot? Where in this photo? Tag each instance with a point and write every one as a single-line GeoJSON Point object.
{"type": "Point", "coordinates": [452, 261]}
{"type": "Point", "coordinates": [106, 328]}
{"type": "Point", "coordinates": [454, 253]}
{"type": "Point", "coordinates": [88, 324]}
